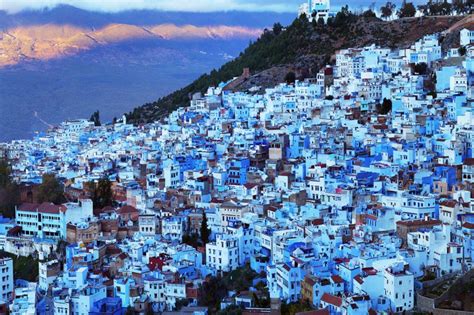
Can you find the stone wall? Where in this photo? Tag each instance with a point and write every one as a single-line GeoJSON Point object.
{"type": "Point", "coordinates": [438, 280]}
{"type": "Point", "coordinates": [426, 304]}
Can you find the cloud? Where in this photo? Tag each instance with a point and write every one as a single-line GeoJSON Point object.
{"type": "Point", "coordinates": [13, 6]}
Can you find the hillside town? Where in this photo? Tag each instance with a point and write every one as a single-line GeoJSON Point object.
{"type": "Point", "coordinates": [351, 192]}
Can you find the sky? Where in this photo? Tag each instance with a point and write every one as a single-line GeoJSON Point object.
{"type": "Point", "coordinates": [14, 6]}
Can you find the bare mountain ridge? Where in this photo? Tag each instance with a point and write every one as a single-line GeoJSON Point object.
{"type": "Point", "coordinates": [50, 41]}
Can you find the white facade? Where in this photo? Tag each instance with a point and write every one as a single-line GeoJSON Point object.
{"type": "Point", "coordinates": [62, 305]}
{"type": "Point", "coordinates": [25, 300]}
{"type": "Point", "coordinates": [223, 254]}
{"type": "Point", "coordinates": [155, 290]}
{"type": "Point", "coordinates": [467, 36]}
{"type": "Point", "coordinates": [316, 9]}
{"type": "Point", "coordinates": [43, 221]}
{"type": "Point", "coordinates": [122, 290]}
{"type": "Point", "coordinates": [174, 292]}
{"type": "Point", "coordinates": [171, 174]}
{"type": "Point", "coordinates": [6, 279]}
{"type": "Point", "coordinates": [82, 303]}
{"type": "Point", "coordinates": [147, 224]}
{"type": "Point", "coordinates": [77, 212]}
{"type": "Point", "coordinates": [458, 82]}
{"type": "Point", "coordinates": [172, 228]}
{"type": "Point", "coordinates": [399, 288]}
{"type": "Point", "coordinates": [47, 273]}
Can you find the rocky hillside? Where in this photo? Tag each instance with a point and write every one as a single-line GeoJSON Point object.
{"type": "Point", "coordinates": [304, 48]}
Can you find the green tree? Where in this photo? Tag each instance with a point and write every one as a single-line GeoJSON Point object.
{"type": "Point", "coordinates": [419, 68]}
{"type": "Point", "coordinates": [343, 17]}
{"type": "Point", "coordinates": [5, 173]}
{"type": "Point", "coordinates": [432, 93]}
{"type": "Point", "coordinates": [462, 51]}
{"type": "Point", "coordinates": [424, 9]}
{"type": "Point", "coordinates": [212, 291]}
{"type": "Point", "coordinates": [295, 307]}
{"type": "Point", "coordinates": [369, 14]}
{"type": "Point", "coordinates": [406, 10]}
{"type": "Point", "coordinates": [51, 190]}
{"type": "Point", "coordinates": [239, 279]}
{"type": "Point", "coordinates": [264, 300]}
{"type": "Point", "coordinates": [9, 190]}
{"type": "Point", "coordinates": [387, 10]}
{"type": "Point", "coordinates": [290, 77]}
{"type": "Point", "coordinates": [101, 192]}
{"type": "Point", "coordinates": [446, 8]}
{"type": "Point", "coordinates": [460, 7]}
{"type": "Point", "coordinates": [180, 303]}
{"type": "Point", "coordinates": [191, 239]}
{"type": "Point", "coordinates": [277, 28]}
{"type": "Point", "coordinates": [385, 107]}
{"type": "Point", "coordinates": [104, 189]}
{"type": "Point", "coordinates": [205, 231]}
{"type": "Point", "coordinates": [95, 118]}
{"type": "Point", "coordinates": [24, 267]}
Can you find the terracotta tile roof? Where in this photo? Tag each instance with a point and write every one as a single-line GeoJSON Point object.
{"type": "Point", "coordinates": [449, 203]}
{"type": "Point", "coordinates": [468, 225]}
{"type": "Point", "coordinates": [127, 209]}
{"type": "Point", "coordinates": [250, 185]}
{"type": "Point", "coordinates": [370, 271]}
{"type": "Point", "coordinates": [310, 280]}
{"type": "Point", "coordinates": [419, 222]}
{"type": "Point", "coordinates": [32, 207]}
{"type": "Point", "coordinates": [331, 299]}
{"type": "Point", "coordinates": [359, 279]}
{"type": "Point", "coordinates": [317, 222]}
{"type": "Point", "coordinates": [337, 279]}
{"type": "Point", "coordinates": [51, 208]}
{"type": "Point", "coordinates": [45, 207]}
{"type": "Point", "coordinates": [469, 161]}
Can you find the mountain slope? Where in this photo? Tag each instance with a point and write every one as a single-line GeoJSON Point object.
{"type": "Point", "coordinates": [66, 14]}
{"type": "Point", "coordinates": [302, 47]}
{"type": "Point", "coordinates": [50, 41]}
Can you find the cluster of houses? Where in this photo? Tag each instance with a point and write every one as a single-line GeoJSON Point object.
{"type": "Point", "coordinates": [325, 195]}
